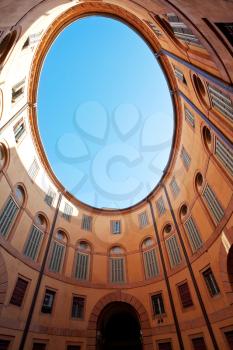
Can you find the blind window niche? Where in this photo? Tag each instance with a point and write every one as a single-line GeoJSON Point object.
{"type": "Point", "coordinates": [33, 244]}
{"type": "Point", "coordinates": [117, 269]}
{"type": "Point", "coordinates": [224, 154]}
{"type": "Point", "coordinates": [143, 219]}
{"type": "Point", "coordinates": [50, 196]}
{"type": "Point", "coordinates": [189, 117]}
{"type": "Point", "coordinates": [157, 304]}
{"type": "Point", "coordinates": [78, 304]}
{"type": "Point", "coordinates": [185, 295]}
{"type": "Point", "coordinates": [213, 204]}
{"type": "Point", "coordinates": [193, 234]}
{"type": "Point", "coordinates": [57, 257]}
{"type": "Point", "coordinates": [68, 211]}
{"type": "Point", "coordinates": [34, 169]}
{"type": "Point", "coordinates": [150, 264]}
{"type": "Point", "coordinates": [18, 90]}
{"type": "Point", "coordinates": [8, 216]}
{"type": "Point", "coordinates": [116, 227]}
{"type": "Point", "coordinates": [86, 223]}
{"type": "Point", "coordinates": [160, 206]}
{"type": "Point", "coordinates": [19, 292]}
{"type": "Point", "coordinates": [19, 130]}
{"type": "Point", "coordinates": [221, 101]}
{"type": "Point", "coordinates": [211, 282]}
{"type": "Point", "coordinates": [82, 266]}
{"type": "Point", "coordinates": [173, 251]}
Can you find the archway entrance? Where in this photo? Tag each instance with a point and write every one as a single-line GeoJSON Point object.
{"type": "Point", "coordinates": [118, 328]}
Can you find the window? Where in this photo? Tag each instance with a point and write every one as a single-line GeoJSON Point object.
{"type": "Point", "coordinates": [193, 234]}
{"type": "Point", "coordinates": [154, 28]}
{"type": "Point", "coordinates": [165, 346]}
{"type": "Point", "coordinates": [199, 343]}
{"type": "Point", "coordinates": [174, 187]}
{"type": "Point", "coordinates": [189, 117]}
{"type": "Point", "coordinates": [86, 223]}
{"type": "Point", "coordinates": [68, 211]}
{"type": "Point", "coordinates": [185, 157]}
{"type": "Point", "coordinates": [8, 216]}
{"type": "Point", "coordinates": [58, 251]}
{"type": "Point", "coordinates": [33, 243]}
{"type": "Point", "coordinates": [143, 219]}
{"type": "Point", "coordinates": [39, 346]}
{"type": "Point", "coordinates": [32, 39]}
{"type": "Point", "coordinates": [229, 336]}
{"type": "Point", "coordinates": [213, 204]}
{"type": "Point", "coordinates": [4, 344]}
{"type": "Point", "coordinates": [224, 155]}
{"type": "Point", "coordinates": [157, 304]}
{"type": "Point", "coordinates": [173, 251]}
{"type": "Point", "coordinates": [221, 102]}
{"type": "Point", "coordinates": [185, 295]}
{"type": "Point", "coordinates": [117, 270]}
{"type": "Point", "coordinates": [160, 206]}
{"type": "Point", "coordinates": [19, 129]}
{"type": "Point", "coordinates": [82, 266]}
{"type": "Point", "coordinates": [34, 169]}
{"type": "Point", "coordinates": [211, 282]}
{"type": "Point", "coordinates": [181, 31]}
{"type": "Point", "coordinates": [150, 264]}
{"type": "Point", "coordinates": [47, 305]}
{"type": "Point", "coordinates": [179, 74]}
{"type": "Point", "coordinates": [227, 30]}
{"type": "Point", "coordinates": [73, 347]}
{"type": "Point", "coordinates": [18, 90]}
{"type": "Point", "coordinates": [78, 307]}
{"type": "Point", "coordinates": [50, 196]}
{"type": "Point", "coordinates": [19, 292]}
{"type": "Point", "coordinates": [116, 226]}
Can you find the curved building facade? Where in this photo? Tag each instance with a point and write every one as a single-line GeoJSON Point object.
{"type": "Point", "coordinates": [157, 275]}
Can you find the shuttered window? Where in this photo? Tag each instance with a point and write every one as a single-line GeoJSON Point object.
{"type": "Point", "coordinates": [221, 102]}
{"type": "Point", "coordinates": [68, 211]}
{"type": "Point", "coordinates": [56, 257]}
{"type": "Point", "coordinates": [82, 266]}
{"type": "Point", "coordinates": [50, 196]}
{"type": "Point", "coordinates": [8, 216]}
{"type": "Point", "coordinates": [199, 343]}
{"type": "Point", "coordinates": [143, 219]}
{"type": "Point", "coordinates": [211, 282]}
{"type": "Point", "coordinates": [174, 187]}
{"type": "Point", "coordinates": [78, 307]}
{"type": "Point", "coordinates": [116, 226]}
{"type": "Point", "coordinates": [4, 344]}
{"type": "Point", "coordinates": [189, 117]}
{"type": "Point", "coordinates": [32, 39]}
{"type": "Point", "coordinates": [154, 28]}
{"type": "Point", "coordinates": [34, 169]}
{"type": "Point", "coordinates": [181, 31]}
{"type": "Point", "coordinates": [86, 223]}
{"type": "Point", "coordinates": [224, 154]}
{"type": "Point", "coordinates": [19, 129]}
{"type": "Point", "coordinates": [213, 204]}
{"type": "Point", "coordinates": [185, 295]}
{"type": "Point", "coordinates": [173, 251]}
{"type": "Point", "coordinates": [18, 90]}
{"type": "Point", "coordinates": [47, 305]}
{"type": "Point", "coordinates": [39, 346]}
{"type": "Point", "coordinates": [179, 74]}
{"type": "Point", "coordinates": [193, 234]}
{"type": "Point", "coordinates": [117, 270]}
{"type": "Point", "coordinates": [165, 346]}
{"type": "Point", "coordinates": [33, 243]}
{"type": "Point", "coordinates": [150, 263]}
{"type": "Point", "coordinates": [160, 206]}
{"type": "Point", "coordinates": [185, 157]}
{"type": "Point", "coordinates": [19, 292]}
{"type": "Point", "coordinates": [157, 304]}
{"type": "Point", "coordinates": [229, 336]}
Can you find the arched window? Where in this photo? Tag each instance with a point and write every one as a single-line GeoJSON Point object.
{"type": "Point", "coordinates": [149, 258]}
{"type": "Point", "coordinates": [117, 265]}
{"type": "Point", "coordinates": [35, 238]}
{"type": "Point", "coordinates": [82, 261]}
{"type": "Point", "coordinates": [10, 210]}
{"type": "Point", "coordinates": [58, 251]}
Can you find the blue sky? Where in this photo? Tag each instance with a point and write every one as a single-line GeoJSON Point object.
{"type": "Point", "coordinates": [105, 113]}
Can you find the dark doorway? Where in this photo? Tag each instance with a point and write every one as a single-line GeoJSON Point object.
{"type": "Point", "coordinates": [119, 328]}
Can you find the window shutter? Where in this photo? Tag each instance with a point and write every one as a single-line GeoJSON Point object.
{"type": "Point", "coordinates": [174, 187]}
{"type": "Point", "coordinates": [160, 206]}
{"type": "Point", "coordinates": [34, 169]}
{"type": "Point", "coordinates": [193, 234]}
{"type": "Point", "coordinates": [143, 219]}
{"type": "Point", "coordinates": [19, 292]}
{"type": "Point", "coordinates": [117, 270]}
{"type": "Point", "coordinates": [86, 223]}
{"type": "Point", "coordinates": [7, 216]}
{"type": "Point", "coordinates": [82, 266]}
{"type": "Point", "coordinates": [185, 295]}
{"type": "Point", "coordinates": [150, 263]}
{"type": "Point", "coordinates": [189, 117]}
{"type": "Point", "coordinates": [221, 102]}
{"type": "Point", "coordinates": [213, 204]}
{"type": "Point", "coordinates": [33, 243]}
{"type": "Point", "coordinates": [56, 257]}
{"type": "Point", "coordinates": [224, 155]}
{"type": "Point", "coordinates": [173, 251]}
{"type": "Point", "coordinates": [185, 157]}
{"type": "Point", "coordinates": [50, 196]}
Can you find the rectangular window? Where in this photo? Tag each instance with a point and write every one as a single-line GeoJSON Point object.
{"type": "Point", "coordinates": [50, 196]}
{"type": "Point", "coordinates": [185, 295]}
{"type": "Point", "coordinates": [165, 346]}
{"type": "Point", "coordinates": [221, 102]}
{"type": "Point", "coordinates": [86, 223]}
{"type": "Point", "coordinates": [116, 227]}
{"type": "Point", "coordinates": [150, 263]}
{"type": "Point", "coordinates": [199, 343]}
{"type": "Point", "coordinates": [56, 257]}
{"type": "Point", "coordinates": [211, 282]}
{"type": "Point", "coordinates": [68, 211]}
{"type": "Point", "coordinates": [73, 347]}
{"type": "Point", "coordinates": [4, 344]}
{"type": "Point", "coordinates": [185, 157]}
{"type": "Point", "coordinates": [7, 216]}
{"type": "Point", "coordinates": [154, 28]}
{"type": "Point", "coordinates": [229, 336]}
{"type": "Point", "coordinates": [19, 129]}
{"type": "Point", "coordinates": [160, 206]}
{"type": "Point", "coordinates": [193, 234]}
{"type": "Point", "coordinates": [213, 204]}
{"type": "Point", "coordinates": [34, 169]}
{"type": "Point", "coordinates": [174, 187]}
{"type": "Point", "coordinates": [82, 266]}
{"type": "Point", "coordinates": [78, 307]}
{"type": "Point", "coordinates": [173, 251]}
{"type": "Point", "coordinates": [189, 117]}
{"type": "Point", "coordinates": [143, 219]}
{"type": "Point", "coordinates": [47, 305]}
{"type": "Point", "coordinates": [224, 154]}
{"type": "Point", "coordinates": [227, 30]}
{"type": "Point", "coordinates": [33, 243]}
{"type": "Point", "coordinates": [19, 292]}
{"type": "Point", "coordinates": [39, 346]}
{"type": "Point", "coordinates": [179, 74]}
{"type": "Point", "coordinates": [117, 270]}
{"type": "Point", "coordinates": [18, 90]}
{"type": "Point", "coordinates": [157, 304]}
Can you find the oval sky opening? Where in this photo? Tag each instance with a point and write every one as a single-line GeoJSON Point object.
{"type": "Point", "coordinates": [105, 113]}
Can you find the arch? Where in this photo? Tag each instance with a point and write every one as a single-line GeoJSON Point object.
{"type": "Point", "coordinates": [126, 298]}
{"type": "Point", "coordinates": [226, 263]}
{"type": "Point", "coordinates": [3, 281]}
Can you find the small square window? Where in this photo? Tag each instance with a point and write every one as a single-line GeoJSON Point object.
{"type": "Point", "coordinates": [48, 301]}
